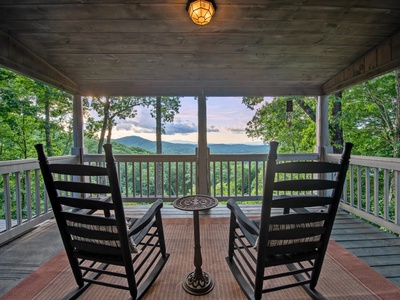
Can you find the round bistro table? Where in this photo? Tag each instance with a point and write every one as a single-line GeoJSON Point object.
{"type": "Point", "coordinates": [197, 282]}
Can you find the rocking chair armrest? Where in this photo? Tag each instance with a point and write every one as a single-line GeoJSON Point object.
{"type": "Point", "coordinates": [242, 219]}
{"type": "Point", "coordinates": [147, 218]}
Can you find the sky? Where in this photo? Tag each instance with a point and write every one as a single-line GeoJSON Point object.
{"type": "Point", "coordinates": [226, 122]}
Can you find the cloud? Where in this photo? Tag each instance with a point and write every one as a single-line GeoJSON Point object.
{"type": "Point", "coordinates": [213, 129]}
{"type": "Point", "coordinates": [180, 127]}
{"type": "Point", "coordinates": [236, 130]}
{"type": "Point", "coordinates": [124, 126]}
{"type": "Point", "coordinates": [144, 126]}
{"type": "Point", "coordinates": [135, 126]}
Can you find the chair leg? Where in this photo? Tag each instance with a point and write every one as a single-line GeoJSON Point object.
{"type": "Point", "coordinates": [82, 288]}
{"type": "Point", "coordinates": [317, 270]}
{"type": "Point", "coordinates": [77, 292]}
{"type": "Point", "coordinates": [314, 294]}
{"type": "Point", "coordinates": [258, 287]}
{"type": "Point", "coordinates": [74, 263]}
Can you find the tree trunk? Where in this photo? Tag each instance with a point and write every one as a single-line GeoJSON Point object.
{"type": "Point", "coordinates": [105, 125]}
{"type": "Point", "coordinates": [396, 135]}
{"type": "Point", "coordinates": [307, 109]}
{"type": "Point", "coordinates": [337, 134]}
{"type": "Point", "coordinates": [23, 132]}
{"type": "Point", "coordinates": [47, 129]}
{"type": "Point", "coordinates": [158, 126]}
{"type": "Point", "coordinates": [109, 132]}
{"type": "Point", "coordinates": [159, 174]}
{"type": "Point", "coordinates": [335, 127]}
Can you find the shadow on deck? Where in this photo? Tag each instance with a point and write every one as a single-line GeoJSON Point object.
{"type": "Point", "coordinates": [378, 249]}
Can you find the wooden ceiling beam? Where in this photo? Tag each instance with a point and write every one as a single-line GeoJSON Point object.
{"type": "Point", "coordinates": [382, 59]}
{"type": "Point", "coordinates": [20, 59]}
{"type": "Point", "coordinates": [198, 89]}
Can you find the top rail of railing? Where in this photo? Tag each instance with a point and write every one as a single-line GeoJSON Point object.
{"type": "Point", "coordinates": [372, 188]}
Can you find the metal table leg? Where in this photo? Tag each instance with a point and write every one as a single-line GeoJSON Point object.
{"type": "Point", "coordinates": [197, 282]}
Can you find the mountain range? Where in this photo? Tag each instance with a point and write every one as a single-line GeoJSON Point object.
{"type": "Point", "coordinates": [188, 148]}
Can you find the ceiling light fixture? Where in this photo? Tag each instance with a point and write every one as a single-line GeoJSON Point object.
{"type": "Point", "coordinates": [201, 11]}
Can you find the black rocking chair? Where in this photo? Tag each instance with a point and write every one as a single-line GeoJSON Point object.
{"type": "Point", "coordinates": [103, 246]}
{"type": "Point", "coordinates": [300, 201]}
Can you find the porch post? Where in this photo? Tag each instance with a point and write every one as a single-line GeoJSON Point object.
{"type": "Point", "coordinates": [322, 127]}
{"type": "Point", "coordinates": [77, 116]}
{"type": "Point", "coordinates": [202, 150]}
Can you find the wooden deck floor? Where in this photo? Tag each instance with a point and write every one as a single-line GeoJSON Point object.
{"type": "Point", "coordinates": [378, 249]}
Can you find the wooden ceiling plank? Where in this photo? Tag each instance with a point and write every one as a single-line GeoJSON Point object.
{"type": "Point", "coordinates": [336, 3]}
{"type": "Point", "coordinates": [177, 26]}
{"type": "Point", "coordinates": [199, 75]}
{"type": "Point", "coordinates": [127, 49]}
{"type": "Point", "coordinates": [49, 40]}
{"type": "Point", "coordinates": [215, 60]}
{"type": "Point", "coordinates": [189, 83]}
{"type": "Point", "coordinates": [157, 11]}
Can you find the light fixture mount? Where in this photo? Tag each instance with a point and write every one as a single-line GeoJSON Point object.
{"type": "Point", "coordinates": [201, 11]}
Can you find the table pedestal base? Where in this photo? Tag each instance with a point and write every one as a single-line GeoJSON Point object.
{"type": "Point", "coordinates": [198, 285]}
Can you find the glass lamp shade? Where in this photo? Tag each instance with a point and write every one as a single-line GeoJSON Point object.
{"type": "Point", "coordinates": [201, 11]}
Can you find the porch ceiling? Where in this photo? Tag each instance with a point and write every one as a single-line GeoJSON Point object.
{"type": "Point", "coordinates": [151, 47]}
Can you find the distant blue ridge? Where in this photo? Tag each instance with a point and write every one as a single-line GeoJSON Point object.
{"type": "Point", "coordinates": [181, 148]}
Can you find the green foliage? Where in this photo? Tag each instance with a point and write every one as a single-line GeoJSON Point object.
{"type": "Point", "coordinates": [32, 112]}
{"type": "Point", "coordinates": [369, 117]}
{"type": "Point", "coordinates": [270, 123]}
{"type": "Point", "coordinates": [110, 109]}
{"type": "Point", "coordinates": [169, 108]}
{"type": "Point", "coordinates": [118, 148]}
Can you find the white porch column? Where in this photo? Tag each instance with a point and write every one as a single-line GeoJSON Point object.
{"type": "Point", "coordinates": [322, 126]}
{"type": "Point", "coordinates": [203, 186]}
{"type": "Point", "coordinates": [77, 116]}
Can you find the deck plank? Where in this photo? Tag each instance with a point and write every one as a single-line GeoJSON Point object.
{"type": "Point", "coordinates": [383, 260]}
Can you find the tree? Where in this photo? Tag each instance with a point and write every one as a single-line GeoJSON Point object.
{"type": "Point", "coordinates": [163, 110]}
{"type": "Point", "coordinates": [30, 112]}
{"type": "Point", "coordinates": [17, 116]}
{"type": "Point", "coordinates": [269, 123]}
{"type": "Point", "coordinates": [108, 109]}
{"type": "Point", "coordinates": [396, 139]}
{"type": "Point", "coordinates": [158, 126]}
{"type": "Point", "coordinates": [336, 123]}
{"type": "Point", "coordinates": [371, 116]}
{"type": "Point", "coordinates": [56, 106]}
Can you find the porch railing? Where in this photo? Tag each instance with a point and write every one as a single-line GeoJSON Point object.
{"type": "Point", "coordinates": [372, 188]}
{"type": "Point", "coordinates": [23, 202]}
